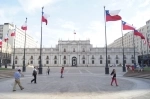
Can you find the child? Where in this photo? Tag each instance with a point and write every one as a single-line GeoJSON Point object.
{"type": "Point", "coordinates": [62, 70]}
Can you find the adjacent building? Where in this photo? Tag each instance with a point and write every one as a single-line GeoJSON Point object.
{"type": "Point", "coordinates": [20, 36]}
{"type": "Point", "coordinates": [139, 44]}
{"type": "Point", "coordinates": [5, 53]}
{"type": "Point", "coordinates": [74, 53]}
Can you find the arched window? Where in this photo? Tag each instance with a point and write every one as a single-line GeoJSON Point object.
{"type": "Point", "coordinates": [47, 57]}
{"type": "Point", "coordinates": [83, 57]}
{"type": "Point", "coordinates": [92, 56]}
{"type": "Point", "coordinates": [31, 57]}
{"type": "Point", "coordinates": [16, 57]}
{"type": "Point", "coordinates": [83, 50]}
{"type": "Point", "coordinates": [64, 50]}
{"type": "Point", "coordinates": [55, 57]}
{"type": "Point", "coordinates": [64, 57]}
{"type": "Point", "coordinates": [73, 49]}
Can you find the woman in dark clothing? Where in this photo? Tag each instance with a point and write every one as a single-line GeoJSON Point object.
{"type": "Point", "coordinates": [113, 73]}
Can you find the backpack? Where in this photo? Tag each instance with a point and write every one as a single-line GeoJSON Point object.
{"type": "Point", "coordinates": [34, 72]}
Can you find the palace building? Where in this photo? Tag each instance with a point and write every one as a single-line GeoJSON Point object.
{"type": "Point", "coordinates": [74, 53]}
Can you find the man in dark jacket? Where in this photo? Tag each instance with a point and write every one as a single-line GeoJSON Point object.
{"type": "Point", "coordinates": [34, 74]}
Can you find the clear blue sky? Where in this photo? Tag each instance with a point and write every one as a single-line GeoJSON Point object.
{"type": "Point", "coordinates": [86, 17]}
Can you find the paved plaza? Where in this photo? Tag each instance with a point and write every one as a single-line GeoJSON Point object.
{"type": "Point", "coordinates": [78, 83]}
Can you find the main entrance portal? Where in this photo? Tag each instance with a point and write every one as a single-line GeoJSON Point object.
{"type": "Point", "coordinates": [74, 61]}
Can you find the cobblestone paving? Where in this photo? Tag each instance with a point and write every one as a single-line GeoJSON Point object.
{"type": "Point", "coordinates": [78, 83]}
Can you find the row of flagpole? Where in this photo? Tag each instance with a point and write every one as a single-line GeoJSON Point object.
{"type": "Point", "coordinates": [13, 34]}
{"type": "Point", "coordinates": [113, 15]}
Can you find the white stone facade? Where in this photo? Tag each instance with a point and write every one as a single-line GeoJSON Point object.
{"type": "Point", "coordinates": [74, 53]}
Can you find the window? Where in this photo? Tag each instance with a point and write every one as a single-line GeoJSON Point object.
{"type": "Point", "coordinates": [47, 62]}
{"type": "Point", "coordinates": [47, 57]}
{"type": "Point", "coordinates": [108, 61]}
{"type": "Point", "coordinates": [55, 57]}
{"type": "Point", "coordinates": [83, 50]}
{"type": "Point", "coordinates": [116, 61]}
{"type": "Point", "coordinates": [132, 61]}
{"type": "Point", "coordinates": [16, 57]}
{"type": "Point", "coordinates": [64, 57]}
{"type": "Point", "coordinates": [64, 50]}
{"type": "Point", "coordinates": [73, 49]}
{"type": "Point", "coordinates": [92, 56]}
{"type": "Point", "coordinates": [15, 62]}
{"type": "Point", "coordinates": [83, 57]}
{"type": "Point", "coordinates": [31, 57]}
{"type": "Point", "coordinates": [55, 62]}
{"type": "Point", "coordinates": [101, 62]}
{"type": "Point", "coordinates": [31, 62]}
{"type": "Point", "coordinates": [101, 57]}
{"type": "Point", "coordinates": [108, 56]}
{"type": "Point", "coordinates": [83, 61]}
{"type": "Point", "coordinates": [117, 57]}
{"type": "Point", "coordinates": [92, 61]}
{"type": "Point", "coordinates": [64, 62]}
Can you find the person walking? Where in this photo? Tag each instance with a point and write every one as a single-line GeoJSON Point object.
{"type": "Point", "coordinates": [34, 74]}
{"type": "Point", "coordinates": [113, 73]}
{"type": "Point", "coordinates": [62, 71]}
{"type": "Point", "coordinates": [17, 76]}
{"type": "Point", "coordinates": [48, 70]}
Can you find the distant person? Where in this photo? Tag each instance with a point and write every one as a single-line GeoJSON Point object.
{"type": "Point", "coordinates": [48, 70]}
{"type": "Point", "coordinates": [62, 71]}
{"type": "Point", "coordinates": [35, 75]}
{"type": "Point", "coordinates": [113, 73]}
{"type": "Point", "coordinates": [17, 76]}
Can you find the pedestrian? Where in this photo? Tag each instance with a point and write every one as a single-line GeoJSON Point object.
{"type": "Point", "coordinates": [113, 73]}
{"type": "Point", "coordinates": [62, 71]}
{"type": "Point", "coordinates": [34, 74]}
{"type": "Point", "coordinates": [48, 70]}
{"type": "Point", "coordinates": [17, 76]}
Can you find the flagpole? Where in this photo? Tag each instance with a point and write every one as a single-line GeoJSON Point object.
{"type": "Point", "coordinates": [24, 65]}
{"type": "Point", "coordinates": [106, 67]}
{"type": "Point", "coordinates": [142, 54]}
{"type": "Point", "coordinates": [6, 52]}
{"type": "Point", "coordinates": [40, 64]}
{"type": "Point", "coordinates": [13, 67]}
{"type": "Point", "coordinates": [1, 57]}
{"type": "Point", "coordinates": [134, 49]}
{"type": "Point", "coordinates": [123, 68]}
{"type": "Point", "coordinates": [147, 40]}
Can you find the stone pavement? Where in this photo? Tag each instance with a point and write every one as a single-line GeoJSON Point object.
{"type": "Point", "coordinates": [78, 83]}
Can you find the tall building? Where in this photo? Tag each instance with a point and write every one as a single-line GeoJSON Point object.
{"type": "Point", "coordinates": [20, 36]}
{"type": "Point", "coordinates": [5, 53]}
{"type": "Point", "coordinates": [74, 53]}
{"type": "Point", "coordinates": [139, 44]}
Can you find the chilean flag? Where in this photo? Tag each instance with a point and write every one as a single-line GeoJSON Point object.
{"type": "Point", "coordinates": [44, 17]}
{"type": "Point", "coordinates": [24, 26]}
{"type": "Point", "coordinates": [137, 33]}
{"type": "Point", "coordinates": [6, 38]}
{"type": "Point", "coordinates": [112, 15]}
{"type": "Point", "coordinates": [127, 26]}
{"type": "Point", "coordinates": [13, 33]}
